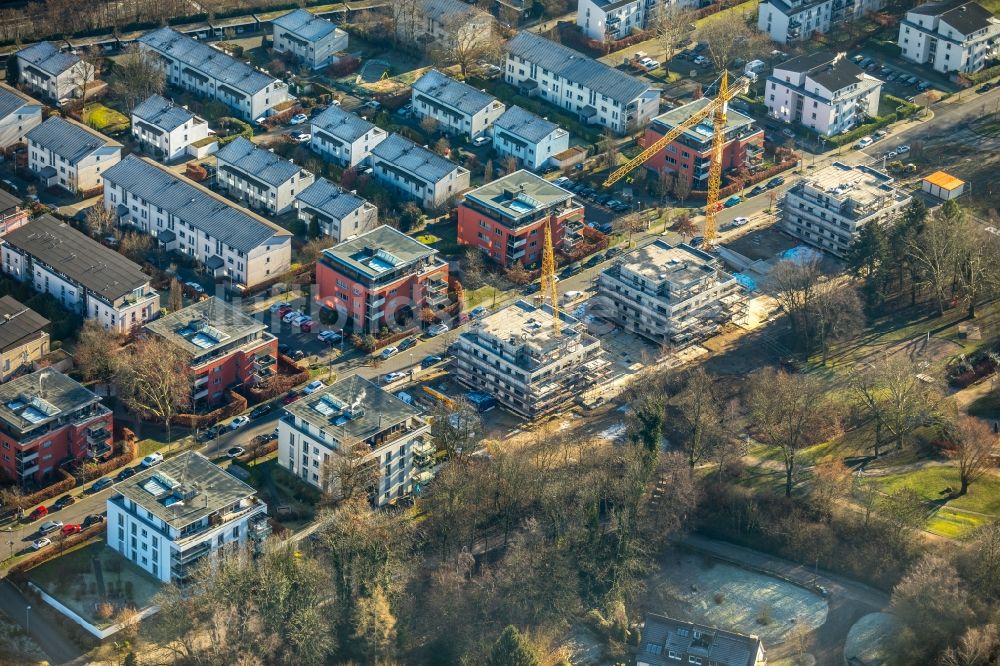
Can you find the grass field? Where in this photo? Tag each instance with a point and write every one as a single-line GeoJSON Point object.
{"type": "Point", "coordinates": [104, 119]}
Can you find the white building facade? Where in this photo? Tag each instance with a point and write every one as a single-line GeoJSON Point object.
{"type": "Point", "coordinates": [314, 40]}
{"type": "Point", "coordinates": [608, 20]}
{"type": "Point", "coordinates": [791, 21]}
{"type": "Point", "coordinates": [165, 129]}
{"type": "Point", "coordinates": [19, 114]}
{"type": "Point", "coordinates": [260, 178]}
{"type": "Point", "coordinates": [457, 107]}
{"type": "Point", "coordinates": [64, 153]}
{"type": "Point", "coordinates": [418, 173]}
{"type": "Point", "coordinates": [344, 137]}
{"type": "Point", "coordinates": [950, 36]}
{"type": "Point", "coordinates": [530, 138]}
{"type": "Point", "coordinates": [340, 214]}
{"type": "Point", "coordinates": [52, 73]}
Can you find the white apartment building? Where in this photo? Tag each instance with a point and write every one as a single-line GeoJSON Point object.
{"type": "Point", "coordinates": [355, 422]}
{"type": "Point", "coordinates": [418, 173]}
{"type": "Point", "coordinates": [670, 294]}
{"type": "Point", "coordinates": [530, 138]}
{"type": "Point", "coordinates": [18, 115]}
{"type": "Point", "coordinates": [52, 73]}
{"type": "Point", "coordinates": [183, 511]}
{"type": "Point", "coordinates": [457, 107]}
{"type": "Point", "coordinates": [259, 178]}
{"type": "Point", "coordinates": [828, 208]}
{"type": "Point", "coordinates": [66, 153]}
{"type": "Point", "coordinates": [340, 214]}
{"type": "Point", "coordinates": [608, 20]}
{"type": "Point", "coordinates": [442, 22]}
{"type": "Point", "coordinates": [80, 273]}
{"type": "Point", "coordinates": [227, 240]}
{"type": "Point", "coordinates": [516, 355]}
{"type": "Point", "coordinates": [790, 21]}
{"type": "Point", "coordinates": [205, 70]}
{"type": "Point", "coordinates": [950, 36]}
{"type": "Point", "coordinates": [344, 137]}
{"type": "Point", "coordinates": [314, 40]}
{"type": "Point", "coordinates": [597, 93]}
{"type": "Point", "coordinates": [165, 129]}
{"type": "Point", "coordinates": [823, 91]}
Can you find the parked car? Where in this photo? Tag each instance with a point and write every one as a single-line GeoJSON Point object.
{"type": "Point", "coordinates": [407, 343]}
{"type": "Point", "coordinates": [49, 526]}
{"type": "Point", "coordinates": [276, 306]}
{"type": "Point", "coordinates": [195, 287]}
{"type": "Point", "coordinates": [93, 519]}
{"type": "Point", "coordinates": [775, 182]}
{"type": "Point", "coordinates": [570, 270]}
{"type": "Point", "coordinates": [101, 484]}
{"type": "Point", "coordinates": [612, 252]}
{"type": "Point", "coordinates": [571, 296]}
{"type": "Point", "coordinates": [38, 544]}
{"type": "Point", "coordinates": [298, 355]}
{"type": "Point", "coordinates": [307, 326]}
{"type": "Point", "coordinates": [389, 352]}
{"type": "Point", "coordinates": [902, 150]}
{"type": "Point", "coordinates": [284, 309]}
{"type": "Point", "coordinates": [740, 221]}
{"type": "Point", "coordinates": [235, 452]}
{"type": "Point", "coordinates": [126, 473]}
{"type": "Point", "coordinates": [733, 201]}
{"type": "Point", "coordinates": [760, 189]}
{"type": "Point", "coordinates": [71, 529]}
{"type": "Point", "coordinates": [290, 397]}
{"type": "Point", "coordinates": [864, 142]}
{"type": "Point", "coordinates": [301, 319]}
{"type": "Point", "coordinates": [152, 459]}
{"type": "Point", "coordinates": [696, 241]}
{"type": "Point", "coordinates": [372, 104]}
{"type": "Point", "coordinates": [429, 361]}
{"type": "Point", "coordinates": [260, 410]}
{"type": "Point", "coordinates": [299, 118]}
{"type": "Point", "coordinates": [291, 315]}
{"type": "Point", "coordinates": [787, 131]}
{"type": "Point", "coordinates": [312, 387]}
{"type": "Point", "coordinates": [38, 513]}
{"type": "Point", "coordinates": [63, 502]}
{"type": "Point", "coordinates": [391, 377]}
{"type": "Point", "coordinates": [593, 261]}
{"type": "Point", "coordinates": [437, 329]}
{"type": "Point", "coordinates": [478, 311]}
{"type": "Point", "coordinates": [299, 136]}
{"type": "Point", "coordinates": [532, 288]}
{"type": "Point", "coordinates": [330, 337]}
{"type": "Point", "coordinates": [239, 422]}
{"type": "Point", "coordinates": [481, 140]}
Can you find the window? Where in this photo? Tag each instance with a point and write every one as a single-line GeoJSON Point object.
{"type": "Point", "coordinates": [694, 660]}
{"type": "Point", "coordinates": [673, 655]}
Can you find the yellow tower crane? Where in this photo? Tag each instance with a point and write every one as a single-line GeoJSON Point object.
{"type": "Point", "coordinates": [716, 108]}
{"type": "Point", "coordinates": [548, 278]}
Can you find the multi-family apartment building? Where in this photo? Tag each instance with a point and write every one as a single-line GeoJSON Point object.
{"type": "Point", "coordinates": [181, 512]}
{"type": "Point", "coordinates": [23, 338]}
{"type": "Point", "coordinates": [517, 356]}
{"type": "Point", "coordinates": [312, 39]}
{"type": "Point", "coordinates": [205, 70]}
{"type": "Point", "coordinates": [227, 240]}
{"type": "Point", "coordinates": [457, 107]}
{"type": "Point", "coordinates": [607, 20]}
{"type": "Point", "coordinates": [164, 129]}
{"type": "Point", "coordinates": [950, 36]}
{"type": "Point", "coordinates": [52, 73]}
{"type": "Point", "coordinates": [417, 173]}
{"type": "Point", "coordinates": [227, 348]}
{"type": "Point", "coordinates": [379, 277]}
{"type": "Point", "coordinates": [670, 294]}
{"type": "Point", "coordinates": [689, 156]}
{"type": "Point", "coordinates": [506, 218]}
{"type": "Point", "coordinates": [355, 423]}
{"type": "Point", "coordinates": [443, 23]}
{"type": "Point", "coordinates": [80, 273]}
{"type": "Point", "coordinates": [530, 138]}
{"type": "Point", "coordinates": [823, 91]}
{"type": "Point", "coordinates": [666, 642]}
{"type": "Point", "coordinates": [344, 137]}
{"type": "Point", "coordinates": [48, 420]}
{"type": "Point", "coordinates": [67, 154]}
{"type": "Point", "coordinates": [339, 213]}
{"type": "Point", "coordinates": [12, 214]}
{"type": "Point", "coordinates": [18, 115]}
{"type": "Point", "coordinates": [828, 208]}
{"type": "Point", "coordinates": [597, 93]}
{"type": "Point", "coordinates": [791, 21]}
{"type": "Point", "coordinates": [259, 178]}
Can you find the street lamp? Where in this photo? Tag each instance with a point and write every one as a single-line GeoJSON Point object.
{"type": "Point", "coordinates": [27, 619]}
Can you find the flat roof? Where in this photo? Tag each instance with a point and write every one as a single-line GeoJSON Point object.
{"type": "Point", "coordinates": [41, 397]}
{"type": "Point", "coordinates": [378, 251]}
{"type": "Point", "coordinates": [184, 489]}
{"type": "Point", "coordinates": [19, 324]}
{"type": "Point", "coordinates": [662, 262]}
{"type": "Point", "coordinates": [205, 325]}
{"type": "Point", "coordinates": [944, 180]}
{"type": "Point", "coordinates": [861, 184]}
{"type": "Point", "coordinates": [525, 324]}
{"type": "Point", "coordinates": [704, 130]}
{"type": "Point", "coordinates": [519, 194]}
{"type": "Point", "coordinates": [352, 408]}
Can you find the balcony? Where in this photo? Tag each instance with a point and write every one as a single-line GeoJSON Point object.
{"type": "Point", "coordinates": [423, 454]}
{"type": "Point", "coordinates": [514, 256]}
{"type": "Point", "coordinates": [376, 303]}
{"type": "Point", "coordinates": [201, 381]}
{"type": "Point", "coordinates": [200, 394]}
{"type": "Point", "coordinates": [517, 243]}
{"type": "Point", "coordinates": [98, 436]}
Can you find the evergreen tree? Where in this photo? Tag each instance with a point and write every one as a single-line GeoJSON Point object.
{"type": "Point", "coordinates": [512, 649]}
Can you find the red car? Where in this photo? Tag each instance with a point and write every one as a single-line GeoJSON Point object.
{"type": "Point", "coordinates": [283, 310]}
{"type": "Point", "coordinates": [306, 327]}
{"type": "Point", "coordinates": [38, 513]}
{"type": "Point", "coordinates": [71, 529]}
{"type": "Point", "coordinates": [291, 397]}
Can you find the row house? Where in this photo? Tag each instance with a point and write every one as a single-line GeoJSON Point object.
{"type": "Point", "coordinates": [793, 21]}
{"type": "Point", "coordinates": [340, 214]}
{"type": "Point", "coordinates": [227, 240]}
{"type": "Point", "coordinates": [23, 337]}
{"type": "Point", "coordinates": [529, 138]}
{"type": "Point", "coordinates": [165, 129]}
{"type": "Point", "coordinates": [344, 137]}
{"type": "Point", "coordinates": [953, 36]}
{"type": "Point", "coordinates": [457, 107]}
{"type": "Point", "coordinates": [314, 40]}
{"type": "Point", "coordinates": [259, 178]}
{"type": "Point", "coordinates": [67, 154]}
{"type": "Point", "coordinates": [19, 114]}
{"type": "Point", "coordinates": [51, 73]}
{"type": "Point", "coordinates": [418, 173]}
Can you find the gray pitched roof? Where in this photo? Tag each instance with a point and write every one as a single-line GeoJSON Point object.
{"type": "Point", "coordinates": [662, 634]}
{"type": "Point", "coordinates": [208, 60]}
{"type": "Point", "coordinates": [576, 67]}
{"type": "Point", "coordinates": [806, 63]}
{"type": "Point", "coordinates": [244, 155]}
{"type": "Point", "coordinates": [80, 258]}
{"type": "Point", "coordinates": [327, 198]}
{"type": "Point", "coordinates": [454, 93]}
{"type": "Point", "coordinates": [19, 324]}
{"type": "Point", "coordinates": [837, 75]}
{"type": "Point", "coordinates": [8, 201]}
{"type": "Point", "coordinates": [967, 17]}
{"type": "Point", "coordinates": [69, 139]}
{"type": "Point", "coordinates": [403, 154]}
{"type": "Point", "coordinates": [305, 25]}
{"type": "Point", "coordinates": [438, 9]}
{"type": "Point", "coordinates": [11, 100]}
{"type": "Point", "coordinates": [525, 124]}
{"type": "Point", "coordinates": [46, 57]}
{"type": "Point", "coordinates": [342, 124]}
{"type": "Point", "coordinates": [162, 113]}
{"type": "Point", "coordinates": [236, 227]}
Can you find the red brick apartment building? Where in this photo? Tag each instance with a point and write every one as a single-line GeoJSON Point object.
{"type": "Point", "coordinates": [505, 218]}
{"type": "Point", "coordinates": [227, 347]}
{"type": "Point", "coordinates": [48, 420]}
{"type": "Point", "coordinates": [381, 277]}
{"type": "Point", "coordinates": [690, 155]}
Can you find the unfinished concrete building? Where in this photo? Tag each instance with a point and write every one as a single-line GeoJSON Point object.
{"type": "Point", "coordinates": [517, 356]}
{"type": "Point", "coordinates": [670, 294]}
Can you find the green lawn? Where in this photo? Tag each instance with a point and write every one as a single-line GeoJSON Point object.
{"type": "Point", "coordinates": [486, 294]}
{"type": "Point", "coordinates": [981, 504]}
{"type": "Point", "coordinates": [442, 236]}
{"type": "Point", "coordinates": [104, 119]}
{"type": "Point", "coordinates": [748, 8]}
{"type": "Point", "coordinates": [987, 407]}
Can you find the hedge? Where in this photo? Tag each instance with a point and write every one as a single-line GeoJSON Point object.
{"type": "Point", "coordinates": [237, 403]}
{"type": "Point", "coordinates": [129, 451]}
{"type": "Point", "coordinates": [243, 129]}
{"type": "Point", "coordinates": [903, 110]}
{"type": "Point", "coordinates": [47, 493]}
{"type": "Point", "coordinates": [984, 74]}
{"type": "Point", "coordinates": [18, 572]}
{"type": "Point", "coordinates": [760, 176]}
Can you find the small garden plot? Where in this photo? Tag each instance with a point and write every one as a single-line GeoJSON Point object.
{"type": "Point", "coordinates": [105, 119]}
{"type": "Point", "coordinates": [723, 595]}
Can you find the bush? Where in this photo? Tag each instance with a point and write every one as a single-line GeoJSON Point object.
{"type": "Point", "coordinates": [233, 127]}
{"type": "Point", "coordinates": [984, 74]}
{"type": "Point", "coordinates": [237, 403]}
{"type": "Point", "coordinates": [346, 65]}
{"type": "Point", "coordinates": [719, 598]}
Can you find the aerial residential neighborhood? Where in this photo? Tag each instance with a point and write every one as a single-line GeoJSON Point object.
{"type": "Point", "coordinates": [431, 332]}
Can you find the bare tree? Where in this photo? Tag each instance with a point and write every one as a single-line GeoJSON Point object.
{"type": "Point", "coordinates": [404, 17]}
{"type": "Point", "coordinates": [699, 415]}
{"type": "Point", "coordinates": [352, 473]}
{"type": "Point", "coordinates": [671, 24]}
{"type": "Point", "coordinates": [99, 220]}
{"type": "Point", "coordinates": [793, 284]}
{"type": "Point", "coordinates": [135, 245]}
{"type": "Point", "coordinates": [933, 604]}
{"type": "Point", "coordinates": [375, 625]}
{"type": "Point", "coordinates": [470, 38]}
{"type": "Point", "coordinates": [88, 69]}
{"type": "Point", "coordinates": [836, 313]}
{"type": "Point", "coordinates": [908, 400]}
{"type": "Point", "coordinates": [137, 75]}
{"type": "Point", "coordinates": [974, 443]}
{"type": "Point", "coordinates": [154, 380]}
{"type": "Point", "coordinates": [729, 38]}
{"type": "Point", "coordinates": [97, 352]}
{"type": "Point", "coordinates": [175, 300]}
{"type": "Point", "coordinates": [607, 148]}
{"type": "Point", "coordinates": [978, 646]}
{"type": "Point", "coordinates": [456, 428]}
{"type": "Point", "coordinates": [629, 224]}
{"type": "Point", "coordinates": [935, 252]}
{"type": "Point", "coordinates": [978, 264]}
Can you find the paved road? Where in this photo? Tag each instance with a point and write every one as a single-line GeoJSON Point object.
{"type": "Point", "coordinates": [59, 649]}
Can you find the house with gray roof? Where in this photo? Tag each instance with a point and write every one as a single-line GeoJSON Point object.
{"type": "Point", "coordinates": [19, 114]}
{"type": "Point", "coordinates": [50, 72]}
{"type": "Point", "coordinates": [258, 178]}
{"type": "Point", "coordinates": [316, 41]}
{"type": "Point", "coordinates": [597, 93]}
{"type": "Point", "coordinates": [339, 213]}
{"type": "Point", "coordinates": [23, 337]}
{"type": "Point", "coordinates": [165, 129]}
{"type": "Point", "coordinates": [530, 138]}
{"type": "Point", "coordinates": [226, 239]}
{"type": "Point", "coordinates": [418, 173]}
{"type": "Point", "coordinates": [666, 641]}
{"type": "Point", "coordinates": [442, 23]}
{"type": "Point", "coordinates": [457, 107]}
{"type": "Point", "coordinates": [209, 71]}
{"type": "Point", "coordinates": [70, 155]}
{"type": "Point", "coordinates": [344, 137]}
{"type": "Point", "coordinates": [793, 21]}
{"type": "Point", "coordinates": [82, 274]}
{"type": "Point", "coordinates": [950, 36]}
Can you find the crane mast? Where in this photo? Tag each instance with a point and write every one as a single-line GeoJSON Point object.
{"type": "Point", "coordinates": [548, 279]}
